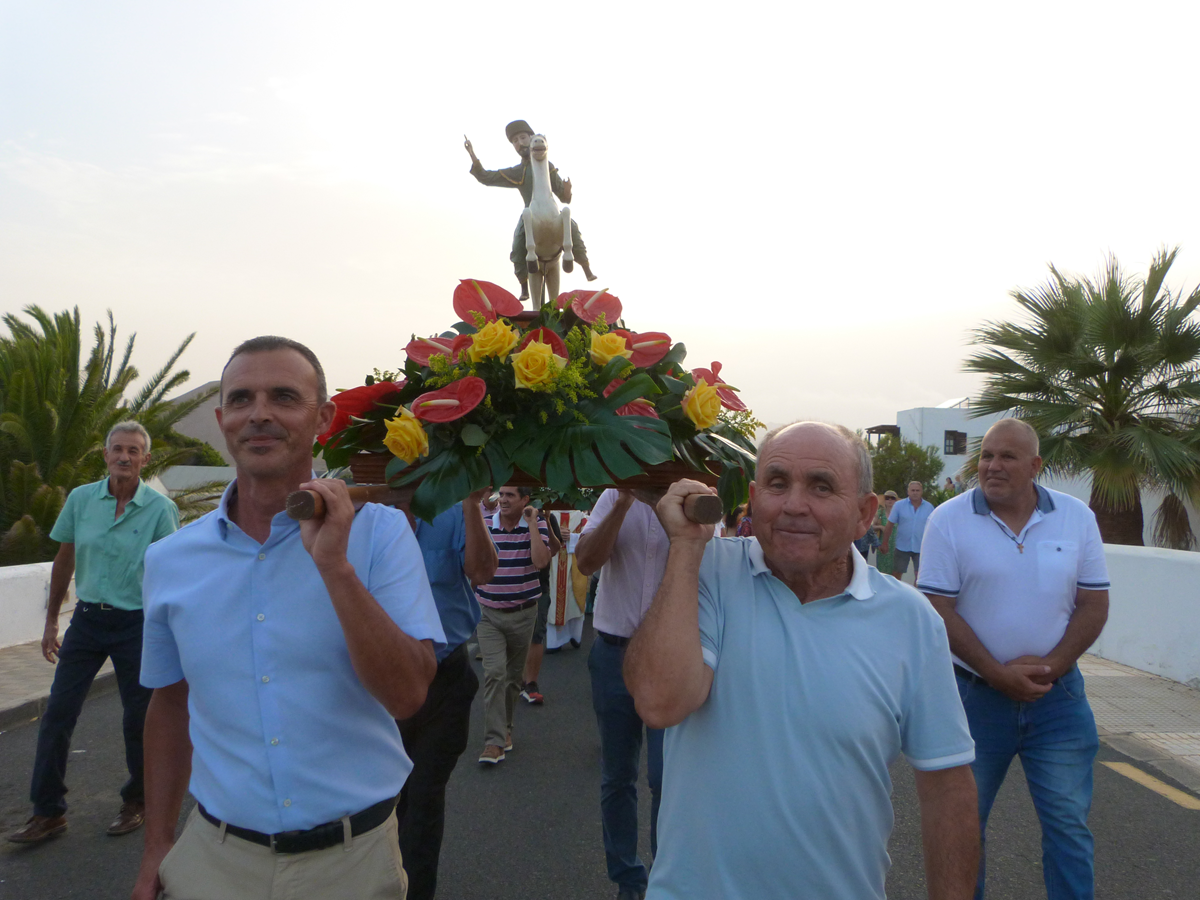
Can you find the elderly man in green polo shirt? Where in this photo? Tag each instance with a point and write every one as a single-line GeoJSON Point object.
{"type": "Point", "coordinates": [104, 529]}
{"type": "Point", "coordinates": [519, 134]}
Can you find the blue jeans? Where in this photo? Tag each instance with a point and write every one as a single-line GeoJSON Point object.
{"type": "Point", "coordinates": [93, 636]}
{"type": "Point", "coordinates": [1055, 736]}
{"type": "Point", "coordinates": [620, 751]}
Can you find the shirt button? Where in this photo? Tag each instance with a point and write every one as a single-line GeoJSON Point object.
{"type": "Point", "coordinates": [261, 617]}
{"type": "Point", "coordinates": [265, 679]}
{"type": "Point", "coordinates": [287, 802]}
{"type": "Point", "coordinates": [262, 556]}
{"type": "Point", "coordinates": [274, 741]}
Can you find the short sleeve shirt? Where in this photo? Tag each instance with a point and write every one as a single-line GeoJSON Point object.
{"type": "Point", "coordinates": [110, 552]}
{"type": "Point", "coordinates": [910, 524]}
{"type": "Point", "coordinates": [1016, 591]}
{"type": "Point", "coordinates": [630, 578]}
{"type": "Point", "coordinates": [284, 734]}
{"type": "Point", "coordinates": [516, 580]}
{"type": "Point", "coordinates": [443, 545]}
{"type": "Point", "coordinates": [778, 785]}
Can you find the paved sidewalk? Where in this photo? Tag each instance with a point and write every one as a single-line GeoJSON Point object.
{"type": "Point", "coordinates": [25, 679]}
{"type": "Point", "coordinates": [1151, 719]}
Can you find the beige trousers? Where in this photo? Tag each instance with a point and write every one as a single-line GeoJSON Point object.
{"type": "Point", "coordinates": [203, 866]}
{"type": "Point", "coordinates": [504, 643]}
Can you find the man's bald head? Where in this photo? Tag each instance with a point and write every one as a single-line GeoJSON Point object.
{"type": "Point", "coordinates": [855, 444]}
{"type": "Point", "coordinates": [1019, 430]}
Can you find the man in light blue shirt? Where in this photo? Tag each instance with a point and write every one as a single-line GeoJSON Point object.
{"type": "Point", "coordinates": [790, 675]}
{"type": "Point", "coordinates": [909, 521]}
{"type": "Point", "coordinates": [281, 653]}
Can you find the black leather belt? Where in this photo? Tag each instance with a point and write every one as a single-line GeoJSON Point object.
{"type": "Point", "coordinates": [615, 640]}
{"type": "Point", "coordinates": [968, 676]}
{"type": "Point", "coordinates": [525, 605]}
{"type": "Point", "coordinates": [316, 838]}
{"type": "Point", "coordinates": [104, 607]}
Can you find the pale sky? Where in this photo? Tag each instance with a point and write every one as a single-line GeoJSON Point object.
{"type": "Point", "coordinates": [824, 197]}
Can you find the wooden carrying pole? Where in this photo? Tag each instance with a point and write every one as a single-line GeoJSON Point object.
{"type": "Point", "coordinates": [704, 509]}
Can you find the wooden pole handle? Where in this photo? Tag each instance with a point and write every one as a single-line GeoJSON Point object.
{"type": "Point", "coordinates": [302, 505]}
{"type": "Point", "coordinates": [703, 509]}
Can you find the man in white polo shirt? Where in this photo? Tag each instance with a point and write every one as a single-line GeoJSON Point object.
{"type": "Point", "coordinates": [793, 674]}
{"type": "Point", "coordinates": [1018, 574]}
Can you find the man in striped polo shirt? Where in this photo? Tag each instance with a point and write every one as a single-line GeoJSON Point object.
{"type": "Point", "coordinates": [509, 607]}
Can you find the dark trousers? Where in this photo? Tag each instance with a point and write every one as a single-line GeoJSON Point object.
{"type": "Point", "coordinates": [620, 752]}
{"type": "Point", "coordinates": [94, 635]}
{"type": "Point", "coordinates": [434, 739]}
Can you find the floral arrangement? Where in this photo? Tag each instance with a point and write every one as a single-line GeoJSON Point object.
{"type": "Point", "coordinates": [561, 395]}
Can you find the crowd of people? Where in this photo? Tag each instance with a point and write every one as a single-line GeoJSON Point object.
{"type": "Point", "coordinates": [309, 683]}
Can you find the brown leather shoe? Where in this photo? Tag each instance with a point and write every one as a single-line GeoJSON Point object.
{"type": "Point", "coordinates": [38, 829]}
{"type": "Point", "coordinates": [130, 818]}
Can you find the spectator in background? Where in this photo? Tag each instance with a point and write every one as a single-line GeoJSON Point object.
{"type": "Point", "coordinates": [104, 529]}
{"type": "Point", "coordinates": [885, 555]}
{"type": "Point", "coordinates": [509, 613]}
{"type": "Point", "coordinates": [745, 525]}
{"type": "Point", "coordinates": [908, 518]}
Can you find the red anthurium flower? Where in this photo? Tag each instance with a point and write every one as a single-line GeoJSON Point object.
{"type": "Point", "coordinates": [420, 349]}
{"type": "Point", "coordinates": [589, 304]}
{"type": "Point", "coordinates": [648, 347]}
{"type": "Point", "coordinates": [357, 402]}
{"type": "Point", "coordinates": [545, 336]}
{"type": "Point", "coordinates": [461, 343]}
{"type": "Point", "coordinates": [490, 300]}
{"type": "Point", "coordinates": [729, 399]}
{"type": "Point", "coordinates": [452, 402]}
{"type": "Point", "coordinates": [639, 407]}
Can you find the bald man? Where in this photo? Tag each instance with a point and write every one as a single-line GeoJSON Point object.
{"type": "Point", "coordinates": [1018, 574]}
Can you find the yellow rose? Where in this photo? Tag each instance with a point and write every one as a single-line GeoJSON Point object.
{"type": "Point", "coordinates": [606, 347]}
{"type": "Point", "coordinates": [493, 339]}
{"type": "Point", "coordinates": [701, 404]}
{"type": "Point", "coordinates": [536, 365]}
{"type": "Point", "coordinates": [406, 437]}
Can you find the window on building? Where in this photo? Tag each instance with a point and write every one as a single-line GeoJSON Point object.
{"type": "Point", "coordinates": [956, 443]}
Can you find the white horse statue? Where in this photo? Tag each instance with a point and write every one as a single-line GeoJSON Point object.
{"type": "Point", "coordinates": [547, 229]}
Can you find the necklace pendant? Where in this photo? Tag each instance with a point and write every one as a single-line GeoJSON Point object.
{"type": "Point", "coordinates": [1021, 548]}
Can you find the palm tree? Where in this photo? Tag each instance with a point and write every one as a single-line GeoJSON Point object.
{"type": "Point", "coordinates": [55, 410]}
{"type": "Point", "coordinates": [1108, 371]}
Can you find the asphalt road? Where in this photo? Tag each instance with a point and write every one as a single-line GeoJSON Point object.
{"type": "Point", "coordinates": [529, 828]}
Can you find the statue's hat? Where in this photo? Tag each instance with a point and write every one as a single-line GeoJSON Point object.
{"type": "Point", "coordinates": [520, 126]}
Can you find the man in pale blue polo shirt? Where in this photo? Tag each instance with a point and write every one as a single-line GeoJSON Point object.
{"type": "Point", "coordinates": [104, 529]}
{"type": "Point", "coordinates": [1018, 573]}
{"type": "Point", "coordinates": [281, 654]}
{"type": "Point", "coordinates": [790, 675]}
{"type": "Point", "coordinates": [909, 521]}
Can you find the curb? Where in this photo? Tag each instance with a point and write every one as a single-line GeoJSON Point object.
{"type": "Point", "coordinates": [31, 710]}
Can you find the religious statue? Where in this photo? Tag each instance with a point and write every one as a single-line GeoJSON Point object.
{"type": "Point", "coordinates": [544, 231]}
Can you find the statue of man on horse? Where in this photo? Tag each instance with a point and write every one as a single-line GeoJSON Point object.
{"type": "Point", "coordinates": [525, 178]}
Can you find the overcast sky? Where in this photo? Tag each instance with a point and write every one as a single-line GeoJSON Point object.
{"type": "Point", "coordinates": [824, 197]}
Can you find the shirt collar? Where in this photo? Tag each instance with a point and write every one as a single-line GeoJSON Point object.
{"type": "Point", "coordinates": [222, 510]}
{"type": "Point", "coordinates": [860, 584]}
{"type": "Point", "coordinates": [139, 494]}
{"type": "Point", "coordinates": [1045, 503]}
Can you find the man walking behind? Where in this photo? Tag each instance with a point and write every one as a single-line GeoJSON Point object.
{"type": "Point", "coordinates": [459, 554]}
{"type": "Point", "coordinates": [909, 521]}
{"type": "Point", "coordinates": [794, 674]}
{"type": "Point", "coordinates": [509, 607]}
{"type": "Point", "coordinates": [104, 529]}
{"type": "Point", "coordinates": [281, 654]}
{"type": "Point", "coordinates": [624, 541]}
{"type": "Point", "coordinates": [1018, 573]}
